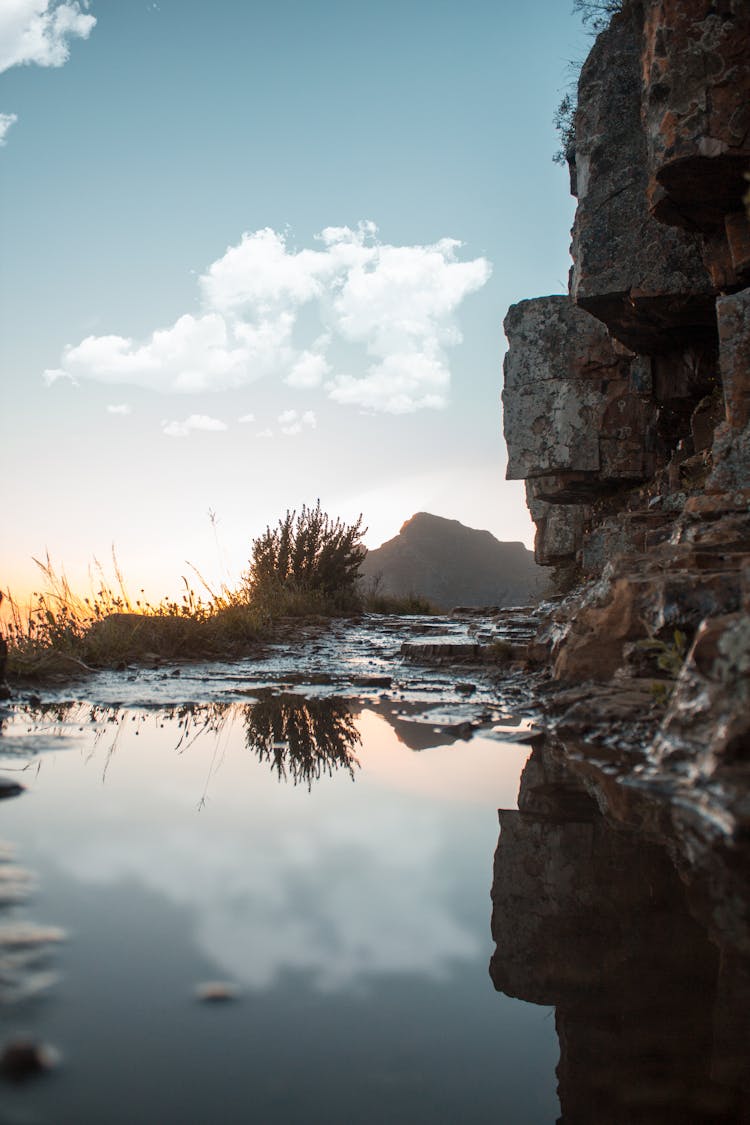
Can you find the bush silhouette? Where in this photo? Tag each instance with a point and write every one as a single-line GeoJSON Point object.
{"type": "Point", "coordinates": [309, 560]}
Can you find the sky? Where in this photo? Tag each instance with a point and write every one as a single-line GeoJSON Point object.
{"type": "Point", "coordinates": [256, 254]}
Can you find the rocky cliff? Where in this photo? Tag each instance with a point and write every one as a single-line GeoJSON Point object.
{"type": "Point", "coordinates": [627, 413]}
{"type": "Point", "coordinates": [453, 565]}
{"type": "Point", "coordinates": [627, 401]}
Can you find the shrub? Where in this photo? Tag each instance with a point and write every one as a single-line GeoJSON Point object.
{"type": "Point", "coordinates": [307, 563]}
{"type": "Point", "coordinates": [597, 13]}
{"type": "Point", "coordinates": [564, 121]}
{"type": "Point", "coordinates": [411, 605]}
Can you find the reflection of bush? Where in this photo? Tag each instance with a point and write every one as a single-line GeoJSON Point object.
{"type": "Point", "coordinates": [302, 739]}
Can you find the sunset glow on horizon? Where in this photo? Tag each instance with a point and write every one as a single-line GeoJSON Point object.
{"type": "Point", "coordinates": [282, 283]}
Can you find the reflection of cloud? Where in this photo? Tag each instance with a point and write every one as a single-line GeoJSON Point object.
{"type": "Point", "coordinates": [346, 882]}
{"type": "Point", "coordinates": [395, 304]}
{"type": "Point", "coordinates": [336, 903]}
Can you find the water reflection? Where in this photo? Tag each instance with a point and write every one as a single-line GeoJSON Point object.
{"type": "Point", "coordinates": [351, 919]}
{"type": "Point", "coordinates": [650, 984]}
{"type": "Point", "coordinates": [302, 739]}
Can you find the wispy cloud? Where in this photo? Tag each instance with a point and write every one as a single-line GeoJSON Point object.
{"type": "Point", "coordinates": [246, 418]}
{"type": "Point", "coordinates": [55, 374]}
{"type": "Point", "coordinates": [194, 422]}
{"type": "Point", "coordinates": [394, 306]}
{"type": "Point", "coordinates": [39, 31]}
{"type": "Point", "coordinates": [120, 408]}
{"type": "Point", "coordinates": [6, 120]}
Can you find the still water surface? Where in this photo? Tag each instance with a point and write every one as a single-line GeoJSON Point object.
{"type": "Point", "coordinates": [342, 891]}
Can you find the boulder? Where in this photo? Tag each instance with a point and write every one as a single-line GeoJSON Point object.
{"type": "Point", "coordinates": [577, 408]}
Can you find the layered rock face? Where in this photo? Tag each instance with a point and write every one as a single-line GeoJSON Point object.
{"type": "Point", "coordinates": [627, 402]}
{"type": "Point", "coordinates": [644, 280]}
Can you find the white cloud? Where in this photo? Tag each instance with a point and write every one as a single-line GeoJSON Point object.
{"type": "Point", "coordinates": [6, 120]}
{"type": "Point", "coordinates": [395, 305]}
{"type": "Point", "coordinates": [120, 408]}
{"type": "Point", "coordinates": [291, 422]}
{"type": "Point", "coordinates": [38, 31]}
{"type": "Point", "coordinates": [195, 354]}
{"type": "Point", "coordinates": [246, 418]}
{"type": "Point", "coordinates": [194, 422]}
{"type": "Point", "coordinates": [265, 433]}
{"type": "Point", "coordinates": [309, 370]}
{"type": "Point", "coordinates": [55, 374]}
{"type": "Point", "coordinates": [402, 383]}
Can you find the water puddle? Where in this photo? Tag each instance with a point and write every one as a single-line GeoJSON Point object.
{"type": "Point", "coordinates": [275, 910]}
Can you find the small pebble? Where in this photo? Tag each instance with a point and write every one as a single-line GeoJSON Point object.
{"type": "Point", "coordinates": [9, 787]}
{"type": "Point", "coordinates": [23, 1058]}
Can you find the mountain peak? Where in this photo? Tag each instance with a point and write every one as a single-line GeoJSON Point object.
{"type": "Point", "coordinates": [452, 564]}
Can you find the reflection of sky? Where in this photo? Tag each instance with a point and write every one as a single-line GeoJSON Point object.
{"type": "Point", "coordinates": [347, 881]}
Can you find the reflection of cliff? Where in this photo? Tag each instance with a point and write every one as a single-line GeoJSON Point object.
{"type": "Point", "coordinates": [651, 996]}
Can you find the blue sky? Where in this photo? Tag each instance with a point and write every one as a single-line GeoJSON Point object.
{"type": "Point", "coordinates": [365, 365]}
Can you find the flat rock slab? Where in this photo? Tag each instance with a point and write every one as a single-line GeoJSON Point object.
{"type": "Point", "coordinates": [442, 650]}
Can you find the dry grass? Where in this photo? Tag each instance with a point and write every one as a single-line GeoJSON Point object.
{"type": "Point", "coordinates": [407, 604]}
{"type": "Point", "coordinates": [61, 632]}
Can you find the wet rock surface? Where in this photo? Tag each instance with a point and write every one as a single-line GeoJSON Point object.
{"type": "Point", "coordinates": [412, 669]}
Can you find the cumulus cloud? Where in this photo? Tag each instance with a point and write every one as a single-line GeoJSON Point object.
{"type": "Point", "coordinates": [6, 120]}
{"type": "Point", "coordinates": [246, 418]}
{"type": "Point", "coordinates": [309, 370]}
{"type": "Point", "coordinates": [119, 408]}
{"type": "Point", "coordinates": [39, 31]}
{"type": "Point", "coordinates": [194, 422]}
{"type": "Point", "coordinates": [269, 309]}
{"type": "Point", "coordinates": [292, 422]}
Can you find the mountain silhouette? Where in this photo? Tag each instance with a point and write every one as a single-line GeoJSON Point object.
{"type": "Point", "coordinates": [453, 565]}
